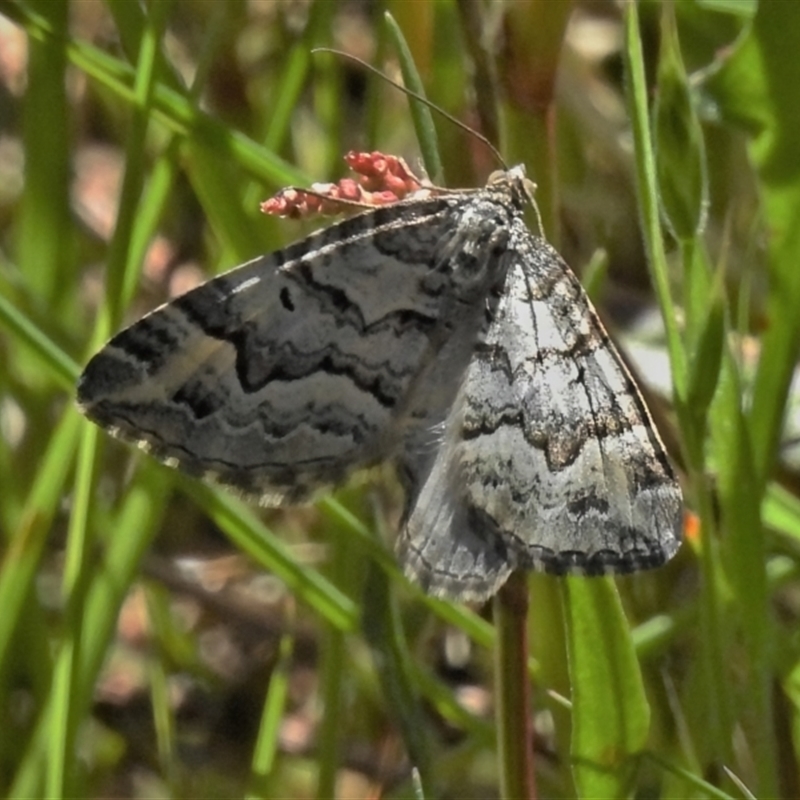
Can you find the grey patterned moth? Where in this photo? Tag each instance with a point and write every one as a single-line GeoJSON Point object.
{"type": "Point", "coordinates": [437, 333]}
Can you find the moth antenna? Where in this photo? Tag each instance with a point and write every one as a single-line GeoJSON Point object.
{"type": "Point", "coordinates": [538, 213]}
{"type": "Point", "coordinates": [457, 122]}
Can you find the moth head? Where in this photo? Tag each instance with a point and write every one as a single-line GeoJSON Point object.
{"type": "Point", "coordinates": [518, 187]}
{"type": "Point", "coordinates": [515, 183]}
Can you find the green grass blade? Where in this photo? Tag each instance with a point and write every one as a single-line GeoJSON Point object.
{"type": "Point", "coordinates": [63, 369]}
{"type": "Point", "coordinates": [764, 67]}
{"type": "Point", "coordinates": [250, 535]}
{"type": "Point", "coordinates": [266, 750]}
{"type": "Point", "coordinates": [648, 195]}
{"type": "Point", "coordinates": [761, 69]}
{"type": "Point", "coordinates": [611, 715]}
{"type": "Point", "coordinates": [66, 713]}
{"type": "Point", "coordinates": [171, 108]}
{"type": "Point", "coordinates": [45, 229]}
{"type": "Point", "coordinates": [384, 633]}
{"type": "Point", "coordinates": [22, 558]}
{"type": "Point", "coordinates": [133, 529]}
{"type": "Point", "coordinates": [420, 113]}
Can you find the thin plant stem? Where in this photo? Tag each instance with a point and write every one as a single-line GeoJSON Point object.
{"type": "Point", "coordinates": [512, 691]}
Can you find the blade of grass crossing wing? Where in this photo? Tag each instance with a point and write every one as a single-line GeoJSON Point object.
{"type": "Point", "coordinates": [254, 538]}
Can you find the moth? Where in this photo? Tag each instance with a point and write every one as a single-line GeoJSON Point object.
{"type": "Point", "coordinates": [437, 333]}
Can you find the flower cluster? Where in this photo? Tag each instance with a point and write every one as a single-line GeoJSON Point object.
{"type": "Point", "coordinates": [382, 180]}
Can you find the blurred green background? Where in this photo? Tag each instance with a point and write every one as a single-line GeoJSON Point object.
{"type": "Point", "coordinates": [160, 639]}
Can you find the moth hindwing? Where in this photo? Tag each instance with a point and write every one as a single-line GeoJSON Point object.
{"type": "Point", "coordinates": [437, 333]}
